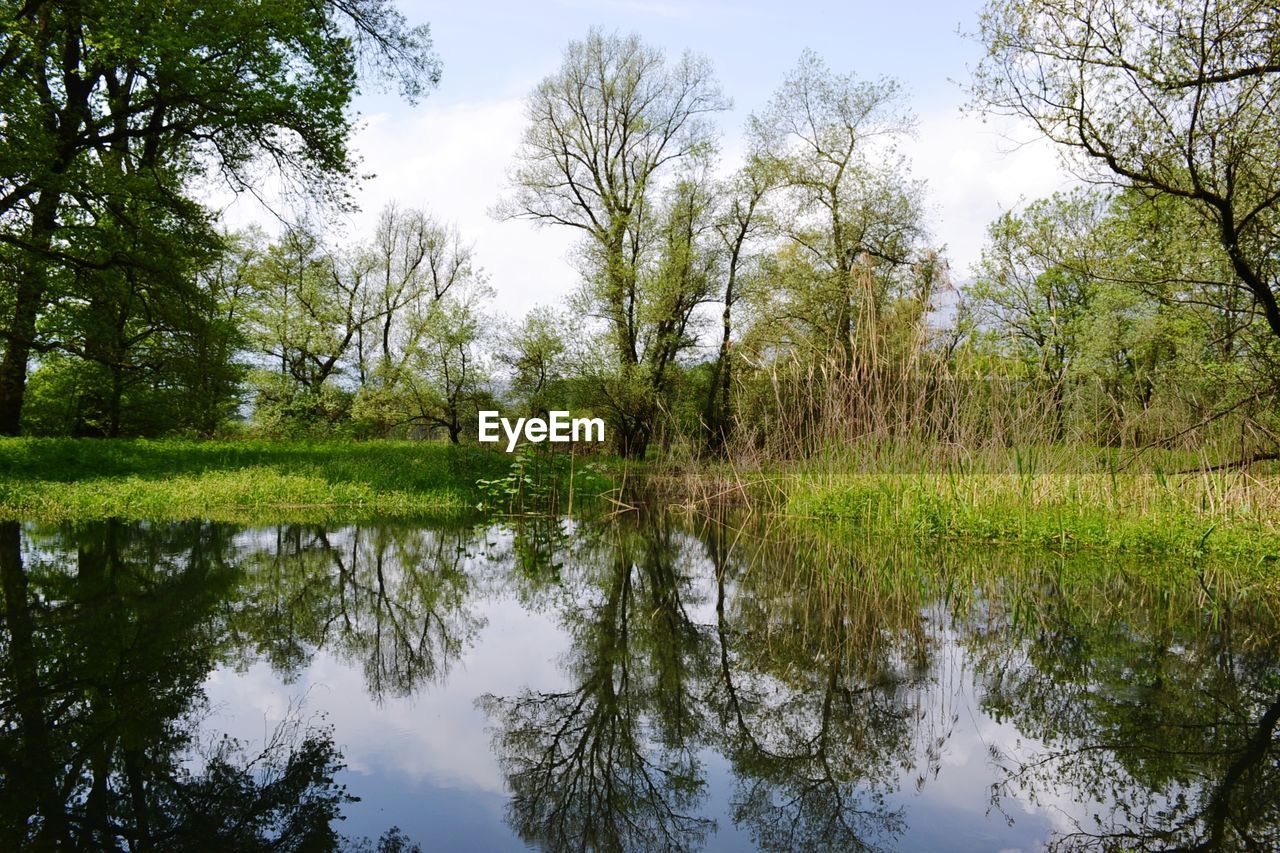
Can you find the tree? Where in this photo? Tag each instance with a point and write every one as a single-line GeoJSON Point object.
{"type": "Point", "coordinates": [123, 334]}
{"type": "Point", "coordinates": [1169, 334]}
{"type": "Point", "coordinates": [1033, 288]}
{"type": "Point", "coordinates": [447, 385]}
{"type": "Point", "coordinates": [310, 306]}
{"type": "Point", "coordinates": [424, 291]}
{"type": "Point", "coordinates": [848, 205]}
{"type": "Point", "coordinates": [1121, 304]}
{"type": "Point", "coordinates": [207, 361]}
{"type": "Point", "coordinates": [534, 352]}
{"type": "Point", "coordinates": [690, 261]}
{"type": "Point", "coordinates": [103, 99]}
{"type": "Point", "coordinates": [737, 224]}
{"type": "Point", "coordinates": [364, 329]}
{"type": "Point", "coordinates": [1175, 98]}
{"type": "Point", "coordinates": [603, 132]}
{"type": "Point", "coordinates": [413, 260]}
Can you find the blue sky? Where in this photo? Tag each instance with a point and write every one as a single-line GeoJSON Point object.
{"type": "Point", "coordinates": [450, 152]}
{"type": "Point", "coordinates": [493, 49]}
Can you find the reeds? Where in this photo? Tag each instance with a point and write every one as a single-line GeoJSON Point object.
{"type": "Point", "coordinates": [899, 440]}
{"type": "Point", "coordinates": [1223, 514]}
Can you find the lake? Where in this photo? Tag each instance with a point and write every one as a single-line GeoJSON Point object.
{"type": "Point", "coordinates": [642, 681]}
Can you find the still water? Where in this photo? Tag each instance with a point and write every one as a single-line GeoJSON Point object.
{"type": "Point", "coordinates": [633, 683]}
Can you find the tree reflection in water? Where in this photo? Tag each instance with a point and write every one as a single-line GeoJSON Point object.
{"type": "Point", "coordinates": [612, 763]}
{"type": "Point", "coordinates": [103, 662]}
{"type": "Point", "coordinates": [1157, 710]}
{"type": "Point", "coordinates": [393, 599]}
{"type": "Point", "coordinates": [111, 630]}
{"type": "Point", "coordinates": [810, 697]}
{"type": "Point", "coordinates": [826, 671]}
{"type": "Point", "coordinates": [820, 694]}
{"type": "Point", "coordinates": [827, 674]}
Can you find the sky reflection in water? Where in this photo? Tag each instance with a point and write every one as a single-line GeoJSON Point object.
{"type": "Point", "coordinates": [640, 683]}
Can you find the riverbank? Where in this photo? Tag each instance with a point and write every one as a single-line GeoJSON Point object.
{"type": "Point", "coordinates": [1218, 514]}
{"type": "Point", "coordinates": [1234, 513]}
{"type": "Point", "coordinates": [61, 479]}
{"type": "Point", "coordinates": [1144, 511]}
{"type": "Point", "coordinates": [1067, 505]}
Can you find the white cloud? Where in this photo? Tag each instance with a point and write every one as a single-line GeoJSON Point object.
{"type": "Point", "coordinates": [975, 171]}
{"type": "Point", "coordinates": [453, 161]}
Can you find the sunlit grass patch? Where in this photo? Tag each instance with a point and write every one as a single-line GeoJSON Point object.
{"type": "Point", "coordinates": [1221, 513]}
{"type": "Point", "coordinates": [68, 478]}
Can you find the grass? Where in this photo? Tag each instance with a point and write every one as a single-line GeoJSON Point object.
{"type": "Point", "coordinates": [1229, 514]}
{"type": "Point", "coordinates": [1066, 503]}
{"type": "Point", "coordinates": [1057, 497]}
{"type": "Point", "coordinates": [59, 479]}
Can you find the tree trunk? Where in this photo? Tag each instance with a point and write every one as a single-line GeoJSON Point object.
{"type": "Point", "coordinates": [13, 367]}
{"type": "Point", "coordinates": [28, 300]}
{"type": "Point", "coordinates": [113, 405]}
{"type": "Point", "coordinates": [718, 418]}
{"type": "Point", "coordinates": [633, 440]}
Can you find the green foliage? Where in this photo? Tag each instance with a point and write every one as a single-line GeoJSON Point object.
{"type": "Point", "coordinates": [1192, 516]}
{"type": "Point", "coordinates": [542, 481]}
{"type": "Point", "coordinates": [283, 409]}
{"type": "Point", "coordinates": [114, 110]}
{"type": "Point", "coordinates": [380, 339]}
{"type": "Point", "coordinates": [850, 216]}
{"type": "Point", "coordinates": [65, 478]}
{"type": "Point", "coordinates": [535, 351]}
{"type": "Point", "coordinates": [640, 120]}
{"type": "Point", "coordinates": [1033, 281]}
{"type": "Point", "coordinates": [1173, 101]}
{"type": "Point", "coordinates": [63, 394]}
{"type": "Point", "coordinates": [1122, 310]}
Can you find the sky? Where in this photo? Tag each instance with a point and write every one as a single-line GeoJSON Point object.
{"type": "Point", "coordinates": [451, 153]}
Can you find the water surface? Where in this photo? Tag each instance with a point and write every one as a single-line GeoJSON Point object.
{"type": "Point", "coordinates": [633, 683]}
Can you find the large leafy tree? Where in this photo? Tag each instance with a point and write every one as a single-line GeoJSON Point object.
{"type": "Point", "coordinates": [1175, 98]}
{"type": "Point", "coordinates": [380, 319]}
{"type": "Point", "coordinates": [605, 130]}
{"type": "Point", "coordinates": [140, 343]}
{"type": "Point", "coordinates": [107, 101]}
{"type": "Point", "coordinates": [848, 208]}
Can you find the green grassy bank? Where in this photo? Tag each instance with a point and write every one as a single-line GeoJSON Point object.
{"type": "Point", "coordinates": [56, 479]}
{"type": "Point", "coordinates": [1230, 514]}
{"type": "Point", "coordinates": [1227, 513]}
{"type": "Point", "coordinates": [1066, 498]}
